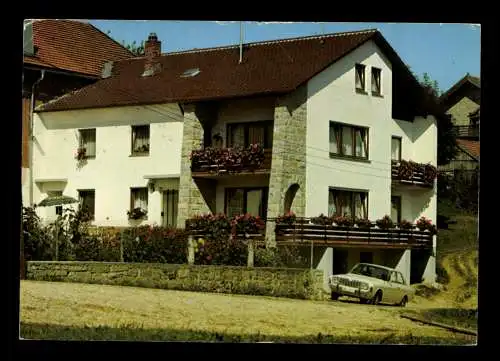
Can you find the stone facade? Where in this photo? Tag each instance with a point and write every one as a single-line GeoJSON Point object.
{"type": "Point", "coordinates": [191, 200]}
{"type": "Point", "coordinates": [277, 282]}
{"type": "Point", "coordinates": [288, 165]}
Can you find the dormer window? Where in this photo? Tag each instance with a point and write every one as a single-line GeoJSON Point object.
{"type": "Point", "coordinates": [376, 81]}
{"type": "Point", "coordinates": [360, 77]}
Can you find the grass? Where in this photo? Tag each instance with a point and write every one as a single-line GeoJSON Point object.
{"type": "Point", "coordinates": [95, 312]}
{"type": "Point", "coordinates": [458, 317]}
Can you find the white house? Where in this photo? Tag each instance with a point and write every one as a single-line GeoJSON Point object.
{"type": "Point", "coordinates": [334, 114]}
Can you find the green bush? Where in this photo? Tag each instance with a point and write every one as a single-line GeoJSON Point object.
{"type": "Point", "coordinates": [281, 256]}
{"type": "Point", "coordinates": [36, 237]}
{"type": "Point", "coordinates": [155, 244]}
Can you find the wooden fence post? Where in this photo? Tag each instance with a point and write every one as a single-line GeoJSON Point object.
{"type": "Point", "coordinates": [251, 251]}
{"type": "Point", "coordinates": [190, 249]}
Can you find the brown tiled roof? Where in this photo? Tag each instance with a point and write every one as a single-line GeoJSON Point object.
{"type": "Point", "coordinates": [268, 67]}
{"type": "Point", "coordinates": [73, 46]}
{"type": "Point", "coordinates": [469, 146]}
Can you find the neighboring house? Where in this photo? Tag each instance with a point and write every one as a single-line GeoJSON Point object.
{"type": "Point", "coordinates": [463, 103]}
{"type": "Point", "coordinates": [70, 55]}
{"type": "Point", "coordinates": [335, 114]}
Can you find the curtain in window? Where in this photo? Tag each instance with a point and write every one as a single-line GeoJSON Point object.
{"type": "Point", "coordinates": [237, 136]}
{"type": "Point", "coordinates": [376, 80]}
{"type": "Point", "coordinates": [334, 139]}
{"type": "Point", "coordinates": [360, 142]}
{"type": "Point", "coordinates": [140, 139]}
{"type": "Point", "coordinates": [360, 77]}
{"type": "Point", "coordinates": [234, 205]}
{"type": "Point", "coordinates": [254, 202]}
{"type": "Point", "coordinates": [360, 205]}
{"type": "Point", "coordinates": [346, 201]}
{"type": "Point", "coordinates": [347, 140]}
{"type": "Point", "coordinates": [256, 134]}
{"type": "Point", "coordinates": [395, 148]}
{"type": "Point", "coordinates": [87, 141]}
{"type": "Point", "coordinates": [332, 207]}
{"type": "Point", "coordinates": [140, 198]}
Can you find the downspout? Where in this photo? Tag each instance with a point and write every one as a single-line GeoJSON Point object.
{"type": "Point", "coordinates": [32, 133]}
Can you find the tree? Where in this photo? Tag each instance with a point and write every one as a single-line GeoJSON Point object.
{"type": "Point", "coordinates": [137, 50]}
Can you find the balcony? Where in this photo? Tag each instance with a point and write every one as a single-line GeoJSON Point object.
{"type": "Point", "coordinates": [304, 232]}
{"type": "Point", "coordinates": [211, 162]}
{"type": "Point", "coordinates": [413, 174]}
{"type": "Point", "coordinates": [466, 131]}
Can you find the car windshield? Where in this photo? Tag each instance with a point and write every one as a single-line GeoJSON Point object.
{"type": "Point", "coordinates": [371, 271]}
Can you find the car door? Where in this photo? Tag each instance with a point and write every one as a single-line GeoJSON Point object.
{"type": "Point", "coordinates": [403, 286]}
{"type": "Point", "coordinates": [393, 289]}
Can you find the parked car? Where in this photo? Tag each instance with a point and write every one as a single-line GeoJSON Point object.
{"type": "Point", "coordinates": [372, 284]}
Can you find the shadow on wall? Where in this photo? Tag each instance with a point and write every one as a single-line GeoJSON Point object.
{"type": "Point", "coordinates": [207, 189]}
{"type": "Point", "coordinates": [290, 196]}
{"type": "Point", "coordinates": [422, 202]}
{"type": "Point", "coordinates": [38, 146]}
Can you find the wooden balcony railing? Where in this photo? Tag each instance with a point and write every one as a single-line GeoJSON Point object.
{"type": "Point", "coordinates": [221, 161]}
{"type": "Point", "coordinates": [302, 232]}
{"type": "Point", "coordinates": [466, 131]}
{"type": "Point", "coordinates": [332, 235]}
{"type": "Point", "coordinates": [407, 172]}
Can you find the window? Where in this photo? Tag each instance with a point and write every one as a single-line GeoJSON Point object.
{"type": "Point", "coordinates": [347, 203]}
{"type": "Point", "coordinates": [376, 81]}
{"type": "Point", "coordinates": [140, 139]}
{"type": "Point", "coordinates": [87, 200]}
{"type": "Point", "coordinates": [87, 141]}
{"type": "Point", "coordinates": [360, 77]}
{"type": "Point", "coordinates": [396, 149]}
{"type": "Point", "coordinates": [396, 208]}
{"type": "Point", "coordinates": [244, 134]}
{"type": "Point", "coordinates": [139, 198]}
{"type": "Point", "coordinates": [348, 141]}
{"type": "Point", "coordinates": [246, 200]}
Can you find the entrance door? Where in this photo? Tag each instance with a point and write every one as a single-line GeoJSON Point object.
{"type": "Point", "coordinates": [169, 213]}
{"type": "Point", "coordinates": [340, 261]}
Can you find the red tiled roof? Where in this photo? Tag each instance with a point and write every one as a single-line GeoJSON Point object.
{"type": "Point", "coordinates": [73, 46]}
{"type": "Point", "coordinates": [268, 67]}
{"type": "Point", "coordinates": [470, 146]}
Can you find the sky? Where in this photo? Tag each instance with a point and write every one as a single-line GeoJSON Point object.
{"type": "Point", "coordinates": [445, 51]}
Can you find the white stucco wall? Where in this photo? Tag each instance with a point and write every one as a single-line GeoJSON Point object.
{"type": "Point", "coordinates": [113, 171]}
{"type": "Point", "coordinates": [332, 97]}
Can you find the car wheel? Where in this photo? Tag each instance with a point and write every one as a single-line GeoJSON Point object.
{"type": "Point", "coordinates": [404, 301]}
{"type": "Point", "coordinates": [377, 298]}
{"type": "Point", "coordinates": [335, 296]}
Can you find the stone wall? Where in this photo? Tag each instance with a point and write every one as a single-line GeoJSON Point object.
{"type": "Point", "coordinates": [191, 200]}
{"type": "Point", "coordinates": [278, 282]}
{"type": "Point", "coordinates": [288, 165]}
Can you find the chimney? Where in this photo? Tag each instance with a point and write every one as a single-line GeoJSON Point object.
{"type": "Point", "coordinates": [152, 52]}
{"type": "Point", "coordinates": [107, 69]}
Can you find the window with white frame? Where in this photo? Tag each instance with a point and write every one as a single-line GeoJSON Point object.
{"type": "Point", "coordinates": [140, 139]}
{"type": "Point", "coordinates": [396, 149]}
{"type": "Point", "coordinates": [360, 77]}
{"type": "Point", "coordinates": [347, 203]}
{"type": "Point", "coordinates": [139, 198]}
{"type": "Point", "coordinates": [376, 81]}
{"type": "Point", "coordinates": [348, 141]}
{"type": "Point", "coordinates": [87, 141]}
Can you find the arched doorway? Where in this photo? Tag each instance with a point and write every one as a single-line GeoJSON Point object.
{"type": "Point", "coordinates": [289, 196]}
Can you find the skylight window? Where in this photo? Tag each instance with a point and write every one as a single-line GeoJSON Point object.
{"type": "Point", "coordinates": [190, 73]}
